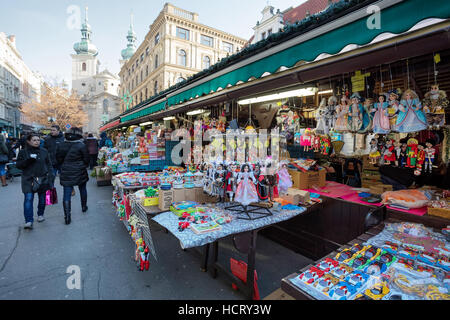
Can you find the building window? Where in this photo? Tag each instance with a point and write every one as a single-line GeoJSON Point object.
{"type": "Point", "coordinates": [83, 66]}
{"type": "Point", "coordinates": [207, 41]}
{"type": "Point", "coordinates": [83, 84]}
{"type": "Point", "coordinates": [105, 106]}
{"type": "Point", "coordinates": [157, 39]}
{"type": "Point", "coordinates": [146, 93]}
{"type": "Point", "coordinates": [147, 51]}
{"type": "Point", "coordinates": [269, 32]}
{"type": "Point", "coordinates": [182, 33]}
{"type": "Point", "coordinates": [156, 61]}
{"type": "Point", "coordinates": [180, 79]}
{"type": "Point", "coordinates": [263, 35]}
{"type": "Point", "coordinates": [228, 47]}
{"type": "Point", "coordinates": [142, 75]}
{"type": "Point", "coordinates": [156, 88]}
{"type": "Point", "coordinates": [206, 62]}
{"type": "Point", "coordinates": [141, 97]}
{"type": "Point", "coordinates": [182, 57]}
{"type": "Point", "coordinates": [142, 57]}
{"type": "Point", "coordinates": [146, 71]}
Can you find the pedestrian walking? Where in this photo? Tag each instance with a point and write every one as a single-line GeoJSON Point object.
{"type": "Point", "coordinates": [73, 157]}
{"type": "Point", "coordinates": [51, 141]}
{"type": "Point", "coordinates": [36, 167]}
{"type": "Point", "coordinates": [4, 158]}
{"type": "Point", "coordinates": [92, 146]}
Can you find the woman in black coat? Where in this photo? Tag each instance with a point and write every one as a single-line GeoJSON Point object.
{"type": "Point", "coordinates": [37, 174]}
{"type": "Point", "coordinates": [73, 158]}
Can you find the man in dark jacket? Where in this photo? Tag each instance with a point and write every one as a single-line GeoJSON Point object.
{"type": "Point", "coordinates": [5, 154]}
{"type": "Point", "coordinates": [92, 146]}
{"type": "Point", "coordinates": [51, 141]}
{"type": "Point", "coordinates": [72, 155]}
{"type": "Point", "coordinates": [36, 167]}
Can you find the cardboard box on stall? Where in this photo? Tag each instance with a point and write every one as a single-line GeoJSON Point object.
{"type": "Point", "coordinates": [380, 188]}
{"type": "Point", "coordinates": [310, 179]}
{"type": "Point", "coordinates": [295, 177]}
{"type": "Point", "coordinates": [304, 195]}
{"type": "Point", "coordinates": [189, 194]}
{"type": "Point", "coordinates": [292, 198]}
{"type": "Point", "coordinates": [179, 195]}
{"type": "Point", "coordinates": [198, 194]}
{"type": "Point", "coordinates": [165, 199]}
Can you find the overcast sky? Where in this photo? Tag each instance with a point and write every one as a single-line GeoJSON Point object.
{"type": "Point", "coordinates": [45, 32]}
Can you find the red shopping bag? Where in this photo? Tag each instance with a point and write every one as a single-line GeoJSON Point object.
{"type": "Point", "coordinates": [51, 197]}
{"type": "Point", "coordinates": [239, 269]}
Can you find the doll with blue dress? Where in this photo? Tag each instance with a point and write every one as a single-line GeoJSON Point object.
{"type": "Point", "coordinates": [410, 117]}
{"type": "Point", "coordinates": [358, 115]}
{"type": "Point", "coordinates": [381, 123]}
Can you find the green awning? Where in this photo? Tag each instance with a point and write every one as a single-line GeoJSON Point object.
{"type": "Point", "coordinates": [396, 19]}
{"type": "Point", "coordinates": [144, 112]}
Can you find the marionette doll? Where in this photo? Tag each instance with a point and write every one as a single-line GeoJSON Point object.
{"type": "Point", "coordinates": [389, 152]}
{"type": "Point", "coordinates": [305, 140]}
{"type": "Point", "coordinates": [284, 179]}
{"type": "Point", "coordinates": [297, 138]}
{"type": "Point", "coordinates": [315, 142]}
{"type": "Point", "coordinates": [411, 117]}
{"type": "Point", "coordinates": [320, 116]}
{"type": "Point", "coordinates": [219, 182]}
{"type": "Point", "coordinates": [358, 116]}
{"type": "Point", "coordinates": [374, 154]}
{"type": "Point", "coordinates": [246, 190]}
{"type": "Point", "coordinates": [381, 123]}
{"type": "Point", "coordinates": [403, 155]}
{"type": "Point", "coordinates": [392, 109]}
{"type": "Point", "coordinates": [231, 181]}
{"type": "Point", "coordinates": [398, 148]}
{"type": "Point", "coordinates": [411, 153]}
{"type": "Point", "coordinates": [271, 180]}
{"type": "Point", "coordinates": [262, 188]}
{"type": "Point", "coordinates": [430, 153]}
{"type": "Point", "coordinates": [330, 115]}
{"type": "Point", "coordinates": [434, 105]}
{"type": "Point", "coordinates": [341, 115]}
{"type": "Point", "coordinates": [420, 159]}
{"type": "Point", "coordinates": [325, 145]}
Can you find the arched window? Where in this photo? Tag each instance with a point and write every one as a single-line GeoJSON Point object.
{"type": "Point", "coordinates": [182, 57]}
{"type": "Point", "coordinates": [83, 66]}
{"type": "Point", "coordinates": [156, 88]}
{"type": "Point", "coordinates": [146, 71]}
{"type": "Point", "coordinates": [142, 75]}
{"type": "Point", "coordinates": [146, 93]}
{"type": "Point", "coordinates": [206, 62]}
{"type": "Point", "coordinates": [141, 98]}
{"type": "Point", "coordinates": [105, 106]}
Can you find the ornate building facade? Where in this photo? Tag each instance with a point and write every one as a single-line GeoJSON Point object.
{"type": "Point", "coordinates": [176, 47]}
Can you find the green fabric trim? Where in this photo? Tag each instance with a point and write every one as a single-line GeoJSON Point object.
{"type": "Point", "coordinates": [396, 19]}
{"type": "Point", "coordinates": [144, 112]}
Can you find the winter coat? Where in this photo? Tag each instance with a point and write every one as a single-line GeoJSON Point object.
{"type": "Point", "coordinates": [92, 145]}
{"type": "Point", "coordinates": [72, 155]}
{"type": "Point", "coordinates": [3, 147]}
{"type": "Point", "coordinates": [50, 144]}
{"type": "Point", "coordinates": [34, 168]}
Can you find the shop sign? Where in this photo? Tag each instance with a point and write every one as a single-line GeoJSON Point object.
{"type": "Point", "coordinates": [359, 80]}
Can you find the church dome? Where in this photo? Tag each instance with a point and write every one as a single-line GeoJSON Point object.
{"type": "Point", "coordinates": [128, 52]}
{"type": "Point", "coordinates": [85, 46]}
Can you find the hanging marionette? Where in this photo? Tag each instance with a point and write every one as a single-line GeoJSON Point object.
{"type": "Point", "coordinates": [374, 154]}
{"type": "Point", "coordinates": [262, 188]}
{"type": "Point", "coordinates": [271, 180]}
{"type": "Point", "coordinates": [246, 191]}
{"type": "Point", "coordinates": [411, 153]}
{"type": "Point", "coordinates": [389, 152]}
{"type": "Point", "coordinates": [325, 145]}
{"type": "Point", "coordinates": [420, 159]}
{"type": "Point", "coordinates": [430, 153]}
{"type": "Point", "coordinates": [284, 178]}
{"type": "Point", "coordinates": [330, 115]}
{"type": "Point", "coordinates": [342, 114]}
{"type": "Point", "coordinates": [380, 112]}
{"type": "Point", "coordinates": [219, 182]}
{"type": "Point", "coordinates": [410, 117]}
{"type": "Point", "coordinates": [434, 105]}
{"type": "Point", "coordinates": [321, 112]}
{"type": "Point", "coordinates": [398, 148]}
{"type": "Point", "coordinates": [305, 140]}
{"type": "Point", "coordinates": [403, 157]}
{"type": "Point", "coordinates": [230, 179]}
{"type": "Point", "coordinates": [315, 142]}
{"type": "Point", "coordinates": [358, 116]}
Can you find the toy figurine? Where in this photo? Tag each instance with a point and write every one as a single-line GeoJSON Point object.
{"type": "Point", "coordinates": [402, 159]}
{"type": "Point", "coordinates": [246, 190]}
{"type": "Point", "coordinates": [219, 182]}
{"type": "Point", "coordinates": [420, 159]}
{"type": "Point", "coordinates": [393, 108]}
{"type": "Point", "coordinates": [297, 138]}
{"type": "Point", "coordinates": [411, 117]}
{"type": "Point", "coordinates": [330, 115]}
{"type": "Point", "coordinates": [325, 145]}
{"type": "Point", "coordinates": [397, 148]}
{"type": "Point", "coordinates": [315, 141]}
{"type": "Point", "coordinates": [305, 139]}
{"type": "Point", "coordinates": [285, 181]}
{"type": "Point", "coordinates": [389, 152]}
{"type": "Point", "coordinates": [411, 153]}
{"type": "Point", "coordinates": [434, 105]}
{"type": "Point", "coordinates": [429, 156]}
{"type": "Point", "coordinates": [358, 116]}
{"type": "Point", "coordinates": [320, 116]}
{"type": "Point", "coordinates": [230, 179]}
{"type": "Point", "coordinates": [381, 116]}
{"type": "Point", "coordinates": [341, 115]}
{"type": "Point", "coordinates": [374, 154]}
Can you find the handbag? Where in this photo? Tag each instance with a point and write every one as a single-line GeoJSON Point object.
{"type": "Point", "coordinates": [51, 197]}
{"type": "Point", "coordinates": [38, 184]}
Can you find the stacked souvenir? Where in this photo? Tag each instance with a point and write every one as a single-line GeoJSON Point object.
{"type": "Point", "coordinates": [404, 262]}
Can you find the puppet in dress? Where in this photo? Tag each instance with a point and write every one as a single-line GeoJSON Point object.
{"type": "Point", "coordinates": [392, 109]}
{"type": "Point", "coordinates": [325, 145]}
{"type": "Point", "coordinates": [219, 182]}
{"type": "Point", "coordinates": [398, 148]}
{"type": "Point", "coordinates": [305, 139]}
{"type": "Point", "coordinates": [330, 115]}
{"type": "Point", "coordinates": [434, 105]}
{"type": "Point", "coordinates": [358, 115]}
{"type": "Point", "coordinates": [381, 123]}
{"type": "Point", "coordinates": [284, 179]}
{"type": "Point", "coordinates": [341, 115]}
{"type": "Point", "coordinates": [420, 159]}
{"type": "Point", "coordinates": [374, 154]}
{"type": "Point", "coordinates": [430, 153]}
{"type": "Point", "coordinates": [246, 190]}
{"type": "Point", "coordinates": [411, 117]}
{"type": "Point", "coordinates": [315, 142]}
{"type": "Point", "coordinates": [403, 156]}
{"type": "Point", "coordinates": [321, 112]}
{"type": "Point", "coordinates": [389, 152]}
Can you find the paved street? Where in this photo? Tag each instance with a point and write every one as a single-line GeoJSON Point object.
{"type": "Point", "coordinates": [33, 264]}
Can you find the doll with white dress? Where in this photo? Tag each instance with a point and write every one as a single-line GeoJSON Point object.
{"type": "Point", "coordinates": [284, 179]}
{"type": "Point", "coordinates": [341, 115]}
{"type": "Point", "coordinates": [246, 190]}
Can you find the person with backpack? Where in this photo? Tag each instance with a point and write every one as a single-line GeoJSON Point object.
{"type": "Point", "coordinates": [37, 175]}
{"type": "Point", "coordinates": [92, 146]}
{"type": "Point", "coordinates": [72, 155]}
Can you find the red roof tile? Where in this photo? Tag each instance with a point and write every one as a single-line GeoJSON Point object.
{"type": "Point", "coordinates": [299, 13]}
